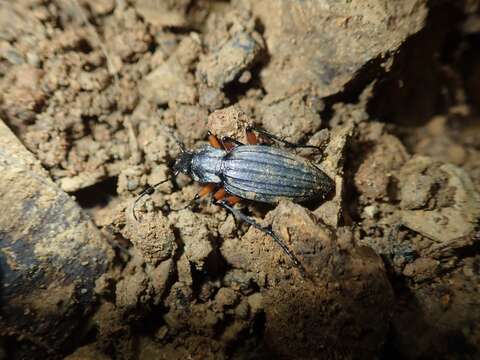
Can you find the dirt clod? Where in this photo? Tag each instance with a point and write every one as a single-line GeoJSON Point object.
{"type": "Point", "coordinates": [152, 236]}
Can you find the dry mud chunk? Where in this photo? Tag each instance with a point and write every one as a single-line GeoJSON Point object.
{"type": "Point", "coordinates": [225, 297]}
{"type": "Point", "coordinates": [163, 13]}
{"type": "Point", "coordinates": [23, 97]}
{"type": "Point", "coordinates": [102, 7]}
{"type": "Point", "coordinates": [88, 352]}
{"type": "Point", "coordinates": [75, 183]}
{"type": "Point", "coordinates": [212, 98]}
{"type": "Point", "coordinates": [240, 280]}
{"type": "Point", "coordinates": [151, 236]}
{"type": "Point", "coordinates": [131, 290]}
{"type": "Point", "coordinates": [373, 176]}
{"type": "Point", "coordinates": [188, 50]}
{"type": "Point", "coordinates": [194, 230]}
{"type": "Point", "coordinates": [416, 192]}
{"type": "Point", "coordinates": [347, 119]}
{"type": "Point", "coordinates": [50, 254]}
{"type": "Point", "coordinates": [451, 223]}
{"type": "Point", "coordinates": [421, 269]}
{"type": "Point", "coordinates": [230, 122]}
{"type": "Point", "coordinates": [170, 82]}
{"type": "Point", "coordinates": [112, 328]}
{"type": "Point", "coordinates": [15, 25]}
{"type": "Point", "coordinates": [351, 288]}
{"type": "Point", "coordinates": [130, 179]}
{"type": "Point", "coordinates": [330, 211]}
{"type": "Point", "coordinates": [437, 140]}
{"type": "Point", "coordinates": [155, 142]}
{"type": "Point", "coordinates": [340, 39]}
{"type": "Point", "coordinates": [255, 301]}
{"type": "Point", "coordinates": [179, 302]}
{"type": "Point", "coordinates": [291, 118]}
{"type": "Point", "coordinates": [258, 253]}
{"type": "Point", "coordinates": [142, 284]}
{"type": "Point", "coordinates": [191, 347]}
{"type": "Point", "coordinates": [444, 312]}
{"type": "Point", "coordinates": [129, 40]}
{"type": "Point", "coordinates": [191, 122]}
{"type": "Point", "coordinates": [346, 312]}
{"type": "Point", "coordinates": [160, 275]}
{"type": "Point", "coordinates": [184, 270]}
{"type": "Point", "coordinates": [226, 63]}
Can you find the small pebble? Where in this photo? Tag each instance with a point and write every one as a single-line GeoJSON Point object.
{"type": "Point", "coordinates": [132, 184]}
{"type": "Point", "coordinates": [256, 302]}
{"type": "Point", "coordinates": [370, 211]}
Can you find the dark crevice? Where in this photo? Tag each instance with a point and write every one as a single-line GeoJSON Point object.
{"type": "Point", "coordinates": [416, 88]}
{"type": "Point", "coordinates": [98, 194]}
{"type": "Point", "coordinates": [235, 90]}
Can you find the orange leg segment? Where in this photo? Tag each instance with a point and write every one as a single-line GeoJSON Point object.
{"type": "Point", "coordinates": [205, 190]}
{"type": "Point", "coordinates": [212, 139]}
{"type": "Point", "coordinates": [220, 194]}
{"type": "Point", "coordinates": [251, 137]}
{"type": "Point", "coordinates": [232, 200]}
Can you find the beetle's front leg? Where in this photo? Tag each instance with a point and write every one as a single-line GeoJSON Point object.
{"type": "Point", "coordinates": [148, 191]}
{"type": "Point", "coordinates": [267, 230]}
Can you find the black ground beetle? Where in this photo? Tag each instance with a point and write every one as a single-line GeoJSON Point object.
{"type": "Point", "coordinates": [233, 171]}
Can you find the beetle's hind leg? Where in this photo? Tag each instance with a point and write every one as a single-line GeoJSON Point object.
{"type": "Point", "coordinates": [267, 230]}
{"type": "Point", "coordinates": [251, 129]}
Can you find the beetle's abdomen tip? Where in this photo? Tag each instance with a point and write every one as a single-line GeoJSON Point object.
{"type": "Point", "coordinates": [326, 185]}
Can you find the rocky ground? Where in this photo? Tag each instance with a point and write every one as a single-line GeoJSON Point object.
{"type": "Point", "coordinates": [94, 95]}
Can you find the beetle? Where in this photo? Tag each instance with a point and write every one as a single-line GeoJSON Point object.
{"type": "Point", "coordinates": [231, 171]}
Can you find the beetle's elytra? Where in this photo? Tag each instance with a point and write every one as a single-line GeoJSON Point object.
{"type": "Point", "coordinates": [233, 171]}
{"type": "Point", "coordinates": [260, 173]}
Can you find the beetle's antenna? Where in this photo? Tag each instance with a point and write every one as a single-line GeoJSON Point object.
{"type": "Point", "coordinates": [180, 144]}
{"type": "Point", "coordinates": [148, 191]}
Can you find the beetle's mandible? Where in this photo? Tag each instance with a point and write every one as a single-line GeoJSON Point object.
{"type": "Point", "coordinates": [233, 171]}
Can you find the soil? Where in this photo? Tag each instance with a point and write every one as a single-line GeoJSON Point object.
{"type": "Point", "coordinates": [96, 98]}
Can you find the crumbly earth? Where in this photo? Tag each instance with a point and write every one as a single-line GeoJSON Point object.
{"type": "Point", "coordinates": [101, 94]}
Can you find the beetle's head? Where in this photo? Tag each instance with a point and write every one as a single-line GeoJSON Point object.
{"type": "Point", "coordinates": [183, 163]}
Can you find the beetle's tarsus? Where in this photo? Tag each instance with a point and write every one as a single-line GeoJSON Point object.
{"type": "Point", "coordinates": [267, 230]}
{"type": "Point", "coordinates": [147, 191]}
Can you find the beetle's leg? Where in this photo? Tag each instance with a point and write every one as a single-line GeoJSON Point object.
{"type": "Point", "coordinates": [220, 194]}
{"type": "Point", "coordinates": [232, 199]}
{"type": "Point", "coordinates": [276, 138]}
{"type": "Point", "coordinates": [205, 190]}
{"type": "Point", "coordinates": [213, 140]}
{"type": "Point", "coordinates": [267, 230]}
{"type": "Point", "coordinates": [148, 191]}
{"type": "Point", "coordinates": [230, 143]}
{"type": "Point", "coordinates": [251, 137]}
